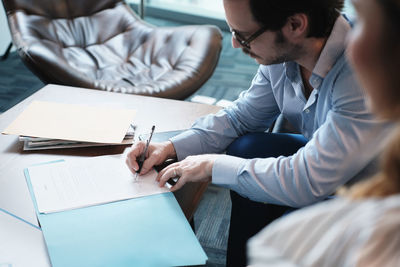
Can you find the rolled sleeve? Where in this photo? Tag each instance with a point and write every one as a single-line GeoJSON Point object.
{"type": "Point", "coordinates": [186, 143]}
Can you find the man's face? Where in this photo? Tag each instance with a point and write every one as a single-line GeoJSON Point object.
{"type": "Point", "coordinates": [269, 47]}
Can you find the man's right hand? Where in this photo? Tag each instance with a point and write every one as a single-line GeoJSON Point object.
{"type": "Point", "coordinates": [157, 153]}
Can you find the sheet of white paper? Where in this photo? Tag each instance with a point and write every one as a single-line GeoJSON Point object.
{"type": "Point", "coordinates": [21, 244]}
{"type": "Point", "coordinates": [68, 185]}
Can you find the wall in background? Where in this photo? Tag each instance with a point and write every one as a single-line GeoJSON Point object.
{"type": "Point", "coordinates": [198, 11]}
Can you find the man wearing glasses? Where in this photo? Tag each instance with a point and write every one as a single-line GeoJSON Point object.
{"type": "Point", "coordinates": [304, 75]}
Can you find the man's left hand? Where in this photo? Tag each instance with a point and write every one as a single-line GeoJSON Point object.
{"type": "Point", "coordinates": [192, 169]}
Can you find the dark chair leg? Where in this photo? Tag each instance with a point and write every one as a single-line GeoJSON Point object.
{"type": "Point", "coordinates": [5, 55]}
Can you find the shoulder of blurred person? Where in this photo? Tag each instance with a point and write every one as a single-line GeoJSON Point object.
{"type": "Point", "coordinates": [340, 232]}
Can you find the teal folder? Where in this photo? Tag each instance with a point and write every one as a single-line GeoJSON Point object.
{"type": "Point", "coordinates": [146, 231]}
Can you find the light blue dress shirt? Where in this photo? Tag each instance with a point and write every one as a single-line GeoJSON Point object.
{"type": "Point", "coordinates": [344, 137]}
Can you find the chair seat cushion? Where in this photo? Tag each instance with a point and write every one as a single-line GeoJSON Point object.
{"type": "Point", "coordinates": [116, 51]}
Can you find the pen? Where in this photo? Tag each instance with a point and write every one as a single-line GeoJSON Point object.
{"type": "Point", "coordinates": [143, 155]}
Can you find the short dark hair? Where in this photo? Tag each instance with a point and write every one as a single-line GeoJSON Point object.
{"type": "Point", "coordinates": [322, 14]}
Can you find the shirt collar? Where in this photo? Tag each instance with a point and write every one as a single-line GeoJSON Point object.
{"type": "Point", "coordinates": [334, 47]}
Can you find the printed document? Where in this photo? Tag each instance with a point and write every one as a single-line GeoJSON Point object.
{"type": "Point", "coordinates": [75, 184]}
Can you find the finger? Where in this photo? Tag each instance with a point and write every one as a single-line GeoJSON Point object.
{"type": "Point", "coordinates": [156, 155]}
{"type": "Point", "coordinates": [168, 174]}
{"type": "Point", "coordinates": [132, 165]}
{"type": "Point", "coordinates": [133, 171]}
{"type": "Point", "coordinates": [181, 181]}
{"type": "Point", "coordinates": [165, 176]}
{"type": "Point", "coordinates": [166, 169]}
{"type": "Point", "coordinates": [137, 148]}
{"type": "Point", "coordinates": [131, 158]}
{"type": "Point", "coordinates": [147, 165]}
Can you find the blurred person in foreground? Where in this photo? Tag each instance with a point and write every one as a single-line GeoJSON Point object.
{"type": "Point", "coordinates": [303, 75]}
{"type": "Point", "coordinates": [362, 228]}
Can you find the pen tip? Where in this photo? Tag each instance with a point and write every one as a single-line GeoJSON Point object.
{"type": "Point", "coordinates": [152, 128]}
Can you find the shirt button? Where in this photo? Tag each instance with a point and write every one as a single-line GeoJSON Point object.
{"type": "Point", "coordinates": [307, 111]}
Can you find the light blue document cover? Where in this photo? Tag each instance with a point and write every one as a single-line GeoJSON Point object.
{"type": "Point", "coordinates": [147, 231]}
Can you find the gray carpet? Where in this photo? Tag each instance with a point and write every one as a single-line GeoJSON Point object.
{"type": "Point", "coordinates": [16, 82]}
{"type": "Point", "coordinates": [232, 75]}
{"type": "Point", "coordinates": [211, 222]}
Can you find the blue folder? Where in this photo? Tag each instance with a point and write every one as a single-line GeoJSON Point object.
{"type": "Point", "coordinates": [146, 231]}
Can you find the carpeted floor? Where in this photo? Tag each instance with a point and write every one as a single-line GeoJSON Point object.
{"type": "Point", "coordinates": [16, 82]}
{"type": "Point", "coordinates": [232, 75]}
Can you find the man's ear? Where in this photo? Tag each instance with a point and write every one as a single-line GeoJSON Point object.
{"type": "Point", "coordinates": [296, 27]}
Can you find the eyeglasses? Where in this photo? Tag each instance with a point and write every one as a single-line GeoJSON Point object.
{"type": "Point", "coordinates": [246, 42]}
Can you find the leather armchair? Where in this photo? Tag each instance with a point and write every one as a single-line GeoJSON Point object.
{"type": "Point", "coordinates": [103, 44]}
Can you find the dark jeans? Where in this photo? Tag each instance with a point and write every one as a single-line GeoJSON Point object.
{"type": "Point", "coordinates": [249, 217]}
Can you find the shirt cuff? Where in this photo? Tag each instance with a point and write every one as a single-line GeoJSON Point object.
{"type": "Point", "coordinates": [226, 169]}
{"type": "Point", "coordinates": [186, 143]}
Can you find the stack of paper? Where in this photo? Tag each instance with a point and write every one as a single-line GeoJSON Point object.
{"type": "Point", "coordinates": [39, 143]}
{"type": "Point", "coordinates": [48, 125]}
